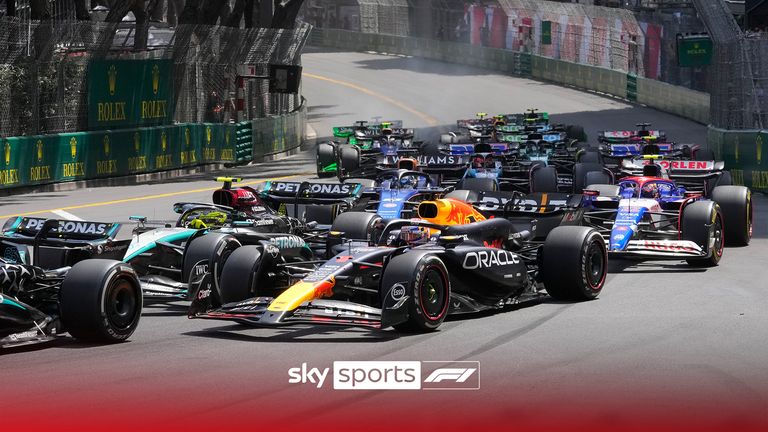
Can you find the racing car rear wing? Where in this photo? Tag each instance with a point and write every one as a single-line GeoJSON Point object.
{"type": "Point", "coordinates": [682, 168]}
{"type": "Point", "coordinates": [310, 192]}
{"type": "Point", "coordinates": [21, 228]}
{"type": "Point", "coordinates": [469, 149]}
{"type": "Point", "coordinates": [623, 136]}
{"type": "Point", "coordinates": [429, 164]}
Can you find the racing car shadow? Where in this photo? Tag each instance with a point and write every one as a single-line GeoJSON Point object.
{"type": "Point", "coordinates": [160, 309]}
{"type": "Point", "coordinates": [630, 266]}
{"type": "Point", "coordinates": [294, 334]}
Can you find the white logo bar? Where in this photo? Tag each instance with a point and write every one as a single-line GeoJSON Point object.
{"type": "Point", "coordinates": [377, 375]}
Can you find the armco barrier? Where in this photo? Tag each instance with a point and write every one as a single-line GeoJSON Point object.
{"type": "Point", "coordinates": [743, 152]}
{"type": "Point", "coordinates": [37, 160]}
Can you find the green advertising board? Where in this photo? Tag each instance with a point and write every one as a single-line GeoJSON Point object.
{"type": "Point", "coordinates": [129, 93]}
{"type": "Point", "coordinates": [546, 32]}
{"type": "Point", "coordinates": [694, 51]}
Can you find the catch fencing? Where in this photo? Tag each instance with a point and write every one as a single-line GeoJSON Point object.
{"type": "Point", "coordinates": [44, 70]}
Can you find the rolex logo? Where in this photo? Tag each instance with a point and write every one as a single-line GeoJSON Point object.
{"type": "Point", "coordinates": [164, 141]}
{"type": "Point", "coordinates": [208, 135]}
{"type": "Point", "coordinates": [137, 142]}
{"type": "Point", "coordinates": [112, 73]}
{"type": "Point", "coordinates": [7, 151]}
{"type": "Point", "coordinates": [73, 147]}
{"type": "Point", "coordinates": [155, 79]}
{"type": "Point", "coordinates": [106, 146]}
{"type": "Point", "coordinates": [226, 137]}
{"type": "Point", "coordinates": [186, 136]}
{"type": "Point", "coordinates": [759, 145]}
{"type": "Point", "coordinates": [39, 151]}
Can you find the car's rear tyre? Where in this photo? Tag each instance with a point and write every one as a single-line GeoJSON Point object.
{"type": "Point", "coordinates": [704, 155]}
{"type": "Point", "coordinates": [349, 160]}
{"type": "Point", "coordinates": [207, 253]}
{"type": "Point", "coordinates": [320, 213]}
{"type": "Point", "coordinates": [589, 156]}
{"type": "Point", "coordinates": [736, 205]}
{"type": "Point", "coordinates": [702, 223]}
{"type": "Point", "coordinates": [580, 171]}
{"type": "Point", "coordinates": [325, 156]}
{"type": "Point", "coordinates": [428, 287]}
{"type": "Point", "coordinates": [575, 132]}
{"type": "Point", "coordinates": [100, 301]}
{"type": "Point", "coordinates": [357, 225]}
{"type": "Point", "coordinates": [239, 275]}
{"type": "Point", "coordinates": [478, 184]}
{"type": "Point", "coordinates": [574, 263]}
{"type": "Point", "coordinates": [544, 180]}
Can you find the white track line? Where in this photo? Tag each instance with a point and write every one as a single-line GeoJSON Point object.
{"type": "Point", "coordinates": [66, 215]}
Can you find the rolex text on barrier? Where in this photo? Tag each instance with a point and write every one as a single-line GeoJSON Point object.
{"type": "Point", "coordinates": [129, 93]}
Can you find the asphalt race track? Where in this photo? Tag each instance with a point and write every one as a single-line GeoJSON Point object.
{"type": "Point", "coordinates": [662, 343]}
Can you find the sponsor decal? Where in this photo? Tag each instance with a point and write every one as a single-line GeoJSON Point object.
{"type": "Point", "coordinates": [22, 336]}
{"type": "Point", "coordinates": [662, 246]}
{"type": "Point", "coordinates": [397, 292]}
{"type": "Point", "coordinates": [489, 258]}
{"type": "Point", "coordinates": [287, 242]}
{"type": "Point", "coordinates": [308, 189]}
{"type": "Point", "coordinates": [70, 227]}
{"type": "Point", "coordinates": [261, 222]}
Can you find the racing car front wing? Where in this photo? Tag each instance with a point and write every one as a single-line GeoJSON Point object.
{"type": "Point", "coordinates": [659, 249]}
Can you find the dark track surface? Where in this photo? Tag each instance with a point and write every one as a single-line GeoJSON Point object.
{"type": "Point", "coordinates": [661, 340]}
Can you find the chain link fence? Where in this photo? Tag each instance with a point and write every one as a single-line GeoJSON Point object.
{"type": "Point", "coordinates": [44, 65]}
{"type": "Point", "coordinates": [737, 71]}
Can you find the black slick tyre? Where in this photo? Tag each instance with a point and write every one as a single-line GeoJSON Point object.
{"type": "Point", "coordinates": [239, 275]}
{"type": "Point", "coordinates": [574, 263]}
{"type": "Point", "coordinates": [702, 223]}
{"type": "Point", "coordinates": [325, 156]}
{"type": "Point", "coordinates": [207, 253]}
{"type": "Point", "coordinates": [100, 301]}
{"type": "Point", "coordinates": [736, 205]}
{"type": "Point", "coordinates": [426, 283]}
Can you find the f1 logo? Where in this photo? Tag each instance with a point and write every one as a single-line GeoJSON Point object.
{"type": "Point", "coordinates": [457, 375]}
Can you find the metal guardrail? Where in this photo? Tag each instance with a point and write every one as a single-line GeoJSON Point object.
{"type": "Point", "coordinates": [45, 159]}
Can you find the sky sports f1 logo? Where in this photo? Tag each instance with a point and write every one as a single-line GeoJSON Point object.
{"type": "Point", "coordinates": [391, 375]}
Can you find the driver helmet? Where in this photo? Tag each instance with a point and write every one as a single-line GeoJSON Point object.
{"type": "Point", "coordinates": [478, 161]}
{"type": "Point", "coordinates": [650, 190]}
{"type": "Point", "coordinates": [408, 181]}
{"type": "Point", "coordinates": [490, 162]}
{"type": "Point", "coordinates": [411, 235]}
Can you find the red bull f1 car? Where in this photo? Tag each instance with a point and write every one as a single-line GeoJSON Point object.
{"type": "Point", "coordinates": [408, 274]}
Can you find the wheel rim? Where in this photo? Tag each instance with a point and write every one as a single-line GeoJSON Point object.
{"type": "Point", "coordinates": [432, 293]}
{"type": "Point", "coordinates": [717, 236]}
{"type": "Point", "coordinates": [122, 302]}
{"type": "Point", "coordinates": [595, 265]}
